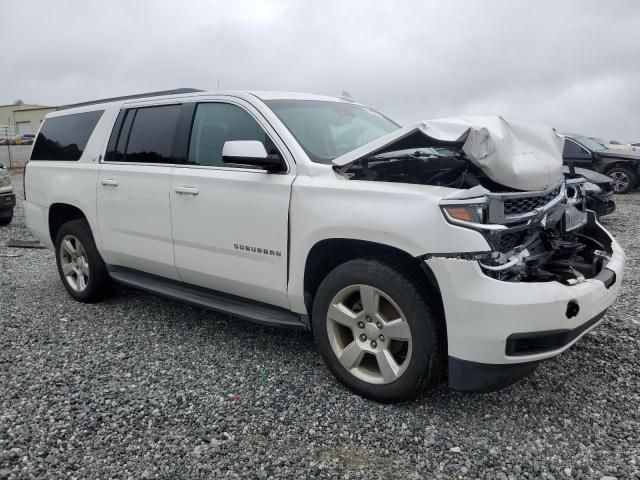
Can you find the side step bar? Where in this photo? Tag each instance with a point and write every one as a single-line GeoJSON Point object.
{"type": "Point", "coordinates": [221, 302]}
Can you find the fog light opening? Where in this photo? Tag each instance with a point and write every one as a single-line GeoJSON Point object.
{"type": "Point", "coordinates": [572, 309]}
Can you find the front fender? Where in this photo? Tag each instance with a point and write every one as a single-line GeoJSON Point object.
{"type": "Point", "coordinates": [402, 216]}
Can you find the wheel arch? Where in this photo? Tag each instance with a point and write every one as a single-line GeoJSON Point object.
{"type": "Point", "coordinates": [633, 167]}
{"type": "Point", "coordinates": [61, 213]}
{"type": "Point", "coordinates": [327, 254]}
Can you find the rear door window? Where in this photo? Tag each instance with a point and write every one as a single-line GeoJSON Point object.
{"type": "Point", "coordinates": [144, 135]}
{"type": "Point", "coordinates": [65, 137]}
{"type": "Point", "coordinates": [151, 136]}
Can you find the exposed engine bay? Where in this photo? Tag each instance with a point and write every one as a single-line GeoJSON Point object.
{"type": "Point", "coordinates": [438, 166]}
{"type": "Point", "coordinates": [535, 236]}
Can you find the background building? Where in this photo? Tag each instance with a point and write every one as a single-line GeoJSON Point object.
{"type": "Point", "coordinates": [19, 118]}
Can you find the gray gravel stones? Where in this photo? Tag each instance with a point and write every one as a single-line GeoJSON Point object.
{"type": "Point", "coordinates": [143, 387]}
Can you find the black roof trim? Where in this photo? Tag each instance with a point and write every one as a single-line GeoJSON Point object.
{"type": "Point", "coordinates": [131, 97]}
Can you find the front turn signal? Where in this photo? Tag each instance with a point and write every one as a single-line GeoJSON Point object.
{"type": "Point", "coordinates": [466, 213]}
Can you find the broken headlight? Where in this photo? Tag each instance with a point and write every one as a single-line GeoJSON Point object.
{"type": "Point", "coordinates": [575, 214]}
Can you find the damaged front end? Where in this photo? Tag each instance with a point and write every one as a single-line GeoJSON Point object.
{"type": "Point", "coordinates": [505, 180]}
{"type": "Point", "coordinates": [537, 236]}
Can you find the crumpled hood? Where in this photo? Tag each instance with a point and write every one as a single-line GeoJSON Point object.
{"type": "Point", "coordinates": [518, 155]}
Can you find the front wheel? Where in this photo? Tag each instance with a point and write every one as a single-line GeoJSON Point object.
{"type": "Point", "coordinates": [81, 269]}
{"type": "Point", "coordinates": [377, 331]}
{"type": "Point", "coordinates": [623, 179]}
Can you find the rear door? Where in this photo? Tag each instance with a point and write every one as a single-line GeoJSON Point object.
{"type": "Point", "coordinates": [577, 154]}
{"type": "Point", "coordinates": [134, 216]}
{"type": "Point", "coordinates": [230, 223]}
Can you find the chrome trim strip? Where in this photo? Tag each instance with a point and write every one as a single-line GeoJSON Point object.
{"type": "Point", "coordinates": [495, 206]}
{"type": "Point", "coordinates": [516, 195]}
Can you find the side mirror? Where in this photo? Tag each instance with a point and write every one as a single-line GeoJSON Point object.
{"type": "Point", "coordinates": [251, 153]}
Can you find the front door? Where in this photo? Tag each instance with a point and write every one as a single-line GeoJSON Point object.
{"type": "Point", "coordinates": [133, 188]}
{"type": "Point", "coordinates": [230, 223]}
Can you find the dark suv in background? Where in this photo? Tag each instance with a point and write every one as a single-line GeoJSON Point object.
{"type": "Point", "coordinates": [622, 166]}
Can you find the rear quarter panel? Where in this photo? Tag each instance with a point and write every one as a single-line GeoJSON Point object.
{"type": "Point", "coordinates": [69, 182]}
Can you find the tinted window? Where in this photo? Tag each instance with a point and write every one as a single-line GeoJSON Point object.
{"type": "Point", "coordinates": [119, 136]}
{"type": "Point", "coordinates": [151, 136]}
{"type": "Point", "coordinates": [572, 149]}
{"type": "Point", "coordinates": [216, 123]}
{"type": "Point", "coordinates": [65, 138]}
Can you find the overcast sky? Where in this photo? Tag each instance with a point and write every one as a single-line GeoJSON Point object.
{"type": "Point", "coordinates": [571, 64]}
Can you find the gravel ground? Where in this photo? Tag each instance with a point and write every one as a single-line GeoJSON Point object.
{"type": "Point", "coordinates": [143, 387]}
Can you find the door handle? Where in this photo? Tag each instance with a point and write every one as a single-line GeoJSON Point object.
{"type": "Point", "coordinates": [187, 190]}
{"type": "Point", "coordinates": [109, 182]}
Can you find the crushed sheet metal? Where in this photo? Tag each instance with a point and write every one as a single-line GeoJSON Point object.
{"type": "Point", "coordinates": [516, 154]}
{"type": "Point", "coordinates": [467, 193]}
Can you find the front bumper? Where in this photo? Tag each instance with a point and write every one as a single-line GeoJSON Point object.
{"type": "Point", "coordinates": [7, 202]}
{"type": "Point", "coordinates": [509, 326]}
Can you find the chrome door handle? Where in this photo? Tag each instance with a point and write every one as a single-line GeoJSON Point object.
{"type": "Point", "coordinates": [109, 182]}
{"type": "Point", "coordinates": [187, 190]}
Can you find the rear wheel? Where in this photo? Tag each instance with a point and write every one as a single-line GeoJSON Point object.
{"type": "Point", "coordinates": [80, 266]}
{"type": "Point", "coordinates": [623, 179]}
{"type": "Point", "coordinates": [377, 331]}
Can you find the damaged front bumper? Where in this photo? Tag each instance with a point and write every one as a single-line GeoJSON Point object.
{"type": "Point", "coordinates": [511, 308]}
{"type": "Point", "coordinates": [534, 236]}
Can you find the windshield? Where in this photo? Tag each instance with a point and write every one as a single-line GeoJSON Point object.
{"type": "Point", "coordinates": [326, 130]}
{"type": "Point", "coordinates": [589, 143]}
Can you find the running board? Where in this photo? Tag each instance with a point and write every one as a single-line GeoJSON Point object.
{"type": "Point", "coordinates": [221, 302]}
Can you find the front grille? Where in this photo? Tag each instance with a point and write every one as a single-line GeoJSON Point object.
{"type": "Point", "coordinates": [509, 240]}
{"type": "Point", "coordinates": [516, 206]}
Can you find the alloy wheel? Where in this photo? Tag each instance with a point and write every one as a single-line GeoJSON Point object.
{"type": "Point", "coordinates": [369, 334]}
{"type": "Point", "coordinates": [74, 263]}
{"type": "Point", "coordinates": [620, 181]}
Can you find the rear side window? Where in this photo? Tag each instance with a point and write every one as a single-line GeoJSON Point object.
{"type": "Point", "coordinates": [145, 135]}
{"type": "Point", "coordinates": [65, 138]}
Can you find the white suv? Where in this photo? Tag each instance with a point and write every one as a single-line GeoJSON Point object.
{"type": "Point", "coordinates": [455, 246]}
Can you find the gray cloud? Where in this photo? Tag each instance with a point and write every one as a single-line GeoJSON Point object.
{"type": "Point", "coordinates": [571, 64]}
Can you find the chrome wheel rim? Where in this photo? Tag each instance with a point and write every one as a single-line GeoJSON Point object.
{"type": "Point", "coordinates": [369, 334]}
{"type": "Point", "coordinates": [620, 181]}
{"type": "Point", "coordinates": [74, 263]}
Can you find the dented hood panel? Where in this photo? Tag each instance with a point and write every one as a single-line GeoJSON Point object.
{"type": "Point", "coordinates": [519, 155]}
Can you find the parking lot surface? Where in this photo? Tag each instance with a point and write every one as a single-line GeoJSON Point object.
{"type": "Point", "coordinates": [142, 387]}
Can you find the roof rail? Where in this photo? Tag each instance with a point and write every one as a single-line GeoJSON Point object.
{"type": "Point", "coordinates": [130, 97]}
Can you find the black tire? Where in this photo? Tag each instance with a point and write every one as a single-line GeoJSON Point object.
{"type": "Point", "coordinates": [99, 285]}
{"type": "Point", "coordinates": [5, 220]}
{"type": "Point", "coordinates": [619, 173]}
{"type": "Point", "coordinates": [425, 363]}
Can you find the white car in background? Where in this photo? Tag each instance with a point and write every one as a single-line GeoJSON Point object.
{"type": "Point", "coordinates": [450, 248]}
